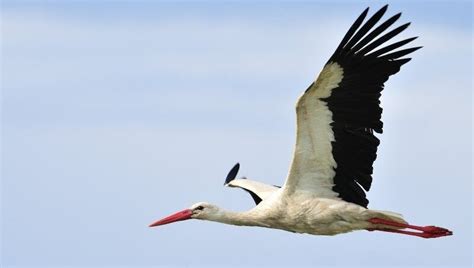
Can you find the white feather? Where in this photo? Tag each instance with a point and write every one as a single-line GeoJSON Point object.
{"type": "Point", "coordinates": [261, 189]}
{"type": "Point", "coordinates": [312, 168]}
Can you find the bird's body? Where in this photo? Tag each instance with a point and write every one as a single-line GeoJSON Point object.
{"type": "Point", "coordinates": [317, 216]}
{"type": "Point", "coordinates": [331, 169]}
{"type": "Point", "coordinates": [303, 213]}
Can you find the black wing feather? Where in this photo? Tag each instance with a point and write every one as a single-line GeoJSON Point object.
{"type": "Point", "coordinates": [232, 173]}
{"type": "Point", "coordinates": [355, 103]}
{"type": "Point", "coordinates": [254, 196]}
{"type": "Point", "coordinates": [352, 30]}
{"type": "Point", "coordinates": [391, 47]}
{"type": "Point", "coordinates": [377, 31]}
{"type": "Point", "coordinates": [383, 39]}
{"type": "Point", "coordinates": [364, 29]}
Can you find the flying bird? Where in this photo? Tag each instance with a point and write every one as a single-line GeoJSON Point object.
{"type": "Point", "coordinates": [331, 169]}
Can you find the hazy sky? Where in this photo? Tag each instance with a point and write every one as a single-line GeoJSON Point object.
{"type": "Point", "coordinates": [115, 114]}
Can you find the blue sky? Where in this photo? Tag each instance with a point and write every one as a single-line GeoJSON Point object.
{"type": "Point", "coordinates": [117, 113]}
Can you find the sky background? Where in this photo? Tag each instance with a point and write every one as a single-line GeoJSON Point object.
{"type": "Point", "coordinates": [115, 114]}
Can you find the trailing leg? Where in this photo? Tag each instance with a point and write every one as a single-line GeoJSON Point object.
{"type": "Point", "coordinates": [426, 231]}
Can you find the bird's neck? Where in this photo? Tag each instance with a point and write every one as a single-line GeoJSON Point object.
{"type": "Point", "coordinates": [236, 218]}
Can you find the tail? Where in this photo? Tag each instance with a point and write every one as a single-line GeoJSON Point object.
{"type": "Point", "coordinates": [388, 215]}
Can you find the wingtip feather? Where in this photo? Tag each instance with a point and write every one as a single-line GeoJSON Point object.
{"type": "Point", "coordinates": [232, 174]}
{"type": "Point", "coordinates": [366, 10]}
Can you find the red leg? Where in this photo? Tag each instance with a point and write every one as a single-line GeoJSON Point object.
{"type": "Point", "coordinates": [426, 231]}
{"type": "Point", "coordinates": [419, 234]}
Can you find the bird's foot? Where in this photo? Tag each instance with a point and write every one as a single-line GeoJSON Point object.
{"type": "Point", "coordinates": [435, 230]}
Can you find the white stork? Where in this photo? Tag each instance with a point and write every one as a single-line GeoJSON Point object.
{"type": "Point", "coordinates": [324, 193]}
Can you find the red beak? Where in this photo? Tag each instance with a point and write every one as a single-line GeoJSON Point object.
{"type": "Point", "coordinates": [178, 216]}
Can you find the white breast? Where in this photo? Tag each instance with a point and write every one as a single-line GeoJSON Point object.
{"type": "Point", "coordinates": [319, 216]}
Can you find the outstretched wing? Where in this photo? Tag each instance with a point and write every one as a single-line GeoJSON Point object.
{"type": "Point", "coordinates": [257, 190]}
{"type": "Point", "coordinates": [339, 113]}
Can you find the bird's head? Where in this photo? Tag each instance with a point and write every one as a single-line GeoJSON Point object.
{"type": "Point", "coordinates": [201, 210]}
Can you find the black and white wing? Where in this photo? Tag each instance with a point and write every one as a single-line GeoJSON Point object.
{"type": "Point", "coordinates": [339, 113]}
{"type": "Point", "coordinates": [257, 190]}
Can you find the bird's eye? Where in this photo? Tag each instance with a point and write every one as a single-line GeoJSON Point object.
{"type": "Point", "coordinates": [200, 208]}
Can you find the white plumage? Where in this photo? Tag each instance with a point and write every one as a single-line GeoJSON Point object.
{"type": "Point", "coordinates": [312, 168]}
{"type": "Point", "coordinates": [331, 169]}
{"type": "Point", "coordinates": [262, 190]}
